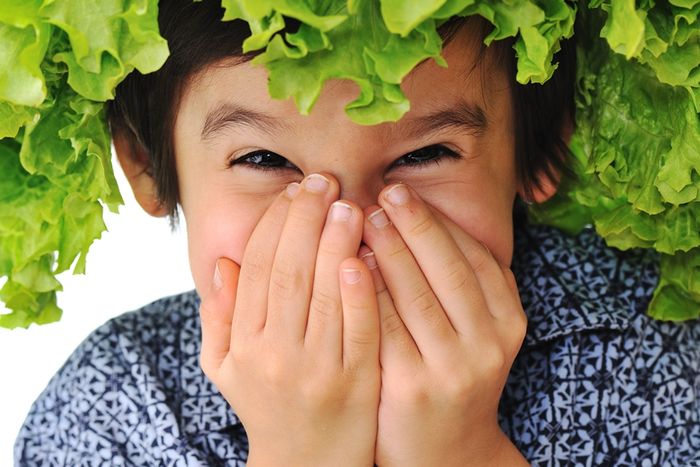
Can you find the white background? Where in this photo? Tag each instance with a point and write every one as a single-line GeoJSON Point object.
{"type": "Point", "coordinates": [137, 261]}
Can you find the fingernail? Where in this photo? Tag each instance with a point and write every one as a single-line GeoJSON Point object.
{"type": "Point", "coordinates": [218, 279]}
{"type": "Point", "coordinates": [316, 183]}
{"type": "Point", "coordinates": [292, 189]}
{"type": "Point", "coordinates": [398, 195]}
{"type": "Point", "coordinates": [351, 276]}
{"type": "Point", "coordinates": [370, 260]}
{"type": "Point", "coordinates": [340, 212]}
{"type": "Point", "coordinates": [378, 218]}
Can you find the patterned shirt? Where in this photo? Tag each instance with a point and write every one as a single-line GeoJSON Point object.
{"type": "Point", "coordinates": [596, 382]}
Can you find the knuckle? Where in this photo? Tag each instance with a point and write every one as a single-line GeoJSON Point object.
{"type": "Point", "coordinates": [460, 387]}
{"type": "Point", "coordinates": [399, 249]}
{"type": "Point", "coordinates": [357, 338]}
{"type": "Point", "coordinates": [353, 309]}
{"type": "Point", "coordinates": [330, 248]}
{"type": "Point", "coordinates": [355, 363]}
{"type": "Point", "coordinates": [456, 276]}
{"type": "Point", "coordinates": [424, 303]}
{"type": "Point", "coordinates": [240, 354]}
{"type": "Point", "coordinates": [411, 393]}
{"type": "Point", "coordinates": [479, 262]}
{"type": "Point", "coordinates": [306, 209]}
{"type": "Point", "coordinates": [319, 391]}
{"type": "Point", "coordinates": [299, 216]}
{"type": "Point", "coordinates": [281, 288]}
{"type": "Point", "coordinates": [493, 360]}
{"type": "Point", "coordinates": [275, 372]}
{"type": "Point", "coordinates": [423, 225]}
{"type": "Point", "coordinates": [353, 367]}
{"type": "Point", "coordinates": [324, 304]}
{"type": "Point", "coordinates": [391, 324]}
{"type": "Point", "coordinates": [254, 265]}
{"type": "Point", "coordinates": [380, 288]}
{"type": "Point", "coordinates": [358, 369]}
{"type": "Point", "coordinates": [286, 281]}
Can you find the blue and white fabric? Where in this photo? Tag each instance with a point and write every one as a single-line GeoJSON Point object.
{"type": "Point", "coordinates": [597, 382]}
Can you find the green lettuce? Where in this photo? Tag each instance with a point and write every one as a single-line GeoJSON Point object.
{"type": "Point", "coordinates": [637, 143]}
{"type": "Point", "coordinates": [635, 147]}
{"type": "Point", "coordinates": [400, 35]}
{"type": "Point", "coordinates": [59, 62]}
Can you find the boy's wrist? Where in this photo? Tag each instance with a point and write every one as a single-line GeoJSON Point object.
{"type": "Point", "coordinates": [255, 460]}
{"type": "Point", "coordinates": [493, 451]}
{"type": "Point", "coordinates": [266, 456]}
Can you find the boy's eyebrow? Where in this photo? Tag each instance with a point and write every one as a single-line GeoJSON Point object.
{"type": "Point", "coordinates": [228, 114]}
{"type": "Point", "coordinates": [463, 115]}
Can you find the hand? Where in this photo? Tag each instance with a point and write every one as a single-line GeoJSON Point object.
{"type": "Point", "coordinates": [291, 345]}
{"type": "Point", "coordinates": [451, 326]}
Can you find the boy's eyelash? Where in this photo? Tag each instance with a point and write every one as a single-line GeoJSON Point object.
{"type": "Point", "coordinates": [262, 160]}
{"type": "Point", "coordinates": [427, 155]}
{"type": "Point", "coordinates": [269, 161]}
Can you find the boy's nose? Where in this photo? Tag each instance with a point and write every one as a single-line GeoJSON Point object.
{"type": "Point", "coordinates": [362, 187]}
{"type": "Point", "coordinates": [362, 194]}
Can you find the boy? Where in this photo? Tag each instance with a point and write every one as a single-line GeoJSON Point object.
{"type": "Point", "coordinates": [356, 300]}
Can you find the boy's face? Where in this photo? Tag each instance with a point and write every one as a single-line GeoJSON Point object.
{"type": "Point", "coordinates": [468, 175]}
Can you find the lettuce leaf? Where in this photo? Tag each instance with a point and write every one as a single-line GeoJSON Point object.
{"type": "Point", "coordinates": [59, 62]}
{"type": "Point", "coordinates": [637, 146]}
{"type": "Point", "coordinates": [665, 36]}
{"type": "Point", "coordinates": [399, 36]}
{"type": "Point", "coordinates": [25, 42]}
{"type": "Point", "coordinates": [678, 292]}
{"type": "Point", "coordinates": [108, 43]}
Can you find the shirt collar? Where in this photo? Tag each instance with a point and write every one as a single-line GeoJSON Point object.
{"type": "Point", "coordinates": [574, 283]}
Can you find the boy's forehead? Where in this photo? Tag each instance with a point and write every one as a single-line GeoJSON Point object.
{"type": "Point", "coordinates": [462, 94]}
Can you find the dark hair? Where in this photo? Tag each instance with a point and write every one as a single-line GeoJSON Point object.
{"type": "Point", "coordinates": [145, 106]}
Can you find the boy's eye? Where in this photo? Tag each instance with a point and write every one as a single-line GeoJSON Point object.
{"type": "Point", "coordinates": [269, 161]}
{"type": "Point", "coordinates": [427, 155]}
{"type": "Point", "coordinates": [263, 160]}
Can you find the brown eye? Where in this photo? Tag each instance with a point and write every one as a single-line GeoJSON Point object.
{"type": "Point", "coordinates": [427, 155]}
{"type": "Point", "coordinates": [263, 160]}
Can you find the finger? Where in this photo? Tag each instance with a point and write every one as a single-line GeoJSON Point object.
{"type": "Point", "coordinates": [414, 300]}
{"type": "Point", "coordinates": [500, 291]}
{"type": "Point", "coordinates": [256, 265]}
{"type": "Point", "coordinates": [446, 269]}
{"type": "Point", "coordinates": [360, 318]}
{"type": "Point", "coordinates": [495, 280]}
{"type": "Point", "coordinates": [291, 278]}
{"type": "Point", "coordinates": [216, 315]}
{"type": "Point", "coordinates": [339, 240]}
{"type": "Point", "coordinates": [396, 344]}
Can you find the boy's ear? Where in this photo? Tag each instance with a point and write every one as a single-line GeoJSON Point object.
{"type": "Point", "coordinates": [135, 163]}
{"type": "Point", "coordinates": [548, 187]}
{"type": "Point", "coordinates": [541, 193]}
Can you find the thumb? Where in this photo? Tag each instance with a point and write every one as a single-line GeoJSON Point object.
{"type": "Point", "coordinates": [216, 315]}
